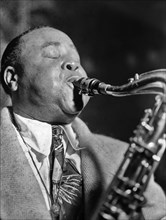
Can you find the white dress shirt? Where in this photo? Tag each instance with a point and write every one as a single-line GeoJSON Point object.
{"type": "Point", "coordinates": [35, 138]}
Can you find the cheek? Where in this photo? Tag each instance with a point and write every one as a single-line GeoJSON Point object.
{"type": "Point", "coordinates": [46, 80]}
{"type": "Point", "coordinates": [42, 83]}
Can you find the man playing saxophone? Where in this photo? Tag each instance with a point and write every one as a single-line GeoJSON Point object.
{"type": "Point", "coordinates": [52, 165]}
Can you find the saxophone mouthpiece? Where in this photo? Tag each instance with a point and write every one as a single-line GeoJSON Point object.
{"type": "Point", "coordinates": [90, 86]}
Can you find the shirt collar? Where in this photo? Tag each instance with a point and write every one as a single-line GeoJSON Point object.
{"type": "Point", "coordinates": [38, 135]}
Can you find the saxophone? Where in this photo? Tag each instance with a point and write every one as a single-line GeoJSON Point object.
{"type": "Point", "coordinates": [125, 194]}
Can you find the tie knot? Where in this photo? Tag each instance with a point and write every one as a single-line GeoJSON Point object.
{"type": "Point", "coordinates": [57, 132]}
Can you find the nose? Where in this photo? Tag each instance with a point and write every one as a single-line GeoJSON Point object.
{"type": "Point", "coordinates": [72, 66]}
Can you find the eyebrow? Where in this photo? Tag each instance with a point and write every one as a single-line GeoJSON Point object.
{"type": "Point", "coordinates": [46, 44]}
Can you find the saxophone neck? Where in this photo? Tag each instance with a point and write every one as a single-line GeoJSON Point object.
{"type": "Point", "coordinates": [152, 82]}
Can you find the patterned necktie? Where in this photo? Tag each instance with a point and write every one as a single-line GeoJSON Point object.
{"type": "Point", "coordinates": [56, 165]}
{"type": "Point", "coordinates": [66, 184]}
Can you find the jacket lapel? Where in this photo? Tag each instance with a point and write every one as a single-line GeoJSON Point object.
{"type": "Point", "coordinates": [21, 195]}
{"type": "Point", "coordinates": [100, 158]}
{"type": "Point", "coordinates": [92, 173]}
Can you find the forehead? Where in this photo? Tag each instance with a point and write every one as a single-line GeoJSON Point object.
{"type": "Point", "coordinates": [40, 38]}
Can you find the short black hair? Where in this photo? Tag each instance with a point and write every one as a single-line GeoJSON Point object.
{"type": "Point", "coordinates": [12, 56]}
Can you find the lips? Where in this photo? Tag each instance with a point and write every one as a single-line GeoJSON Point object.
{"type": "Point", "coordinates": [74, 101]}
{"type": "Point", "coordinates": [76, 97]}
{"type": "Point", "coordinates": [72, 78]}
{"type": "Point", "coordinates": [70, 84]}
{"type": "Point", "coordinates": [70, 81]}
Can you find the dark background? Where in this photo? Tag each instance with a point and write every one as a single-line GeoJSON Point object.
{"type": "Point", "coordinates": [115, 39]}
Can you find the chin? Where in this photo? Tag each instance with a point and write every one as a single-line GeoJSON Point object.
{"type": "Point", "coordinates": [72, 106]}
{"type": "Point", "coordinates": [68, 118]}
{"type": "Point", "coordinates": [72, 112]}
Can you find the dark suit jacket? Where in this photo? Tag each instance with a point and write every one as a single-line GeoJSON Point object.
{"type": "Point", "coordinates": [21, 197]}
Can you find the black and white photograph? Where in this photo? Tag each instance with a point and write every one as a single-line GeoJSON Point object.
{"type": "Point", "coordinates": [83, 110]}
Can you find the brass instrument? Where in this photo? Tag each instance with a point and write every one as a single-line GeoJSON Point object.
{"type": "Point", "coordinates": [125, 193]}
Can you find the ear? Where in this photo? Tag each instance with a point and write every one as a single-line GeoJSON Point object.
{"type": "Point", "coordinates": [11, 78]}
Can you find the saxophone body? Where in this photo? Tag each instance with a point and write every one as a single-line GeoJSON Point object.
{"type": "Point", "coordinates": [126, 191]}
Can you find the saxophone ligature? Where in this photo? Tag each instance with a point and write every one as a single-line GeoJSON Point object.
{"type": "Point", "coordinates": [125, 193]}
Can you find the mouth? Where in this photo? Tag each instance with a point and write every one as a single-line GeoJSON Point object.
{"type": "Point", "coordinates": [77, 97]}
{"type": "Point", "coordinates": [71, 79]}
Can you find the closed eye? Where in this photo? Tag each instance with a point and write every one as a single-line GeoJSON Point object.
{"type": "Point", "coordinates": [51, 52]}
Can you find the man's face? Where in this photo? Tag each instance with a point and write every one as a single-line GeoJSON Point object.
{"type": "Point", "coordinates": [49, 60]}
